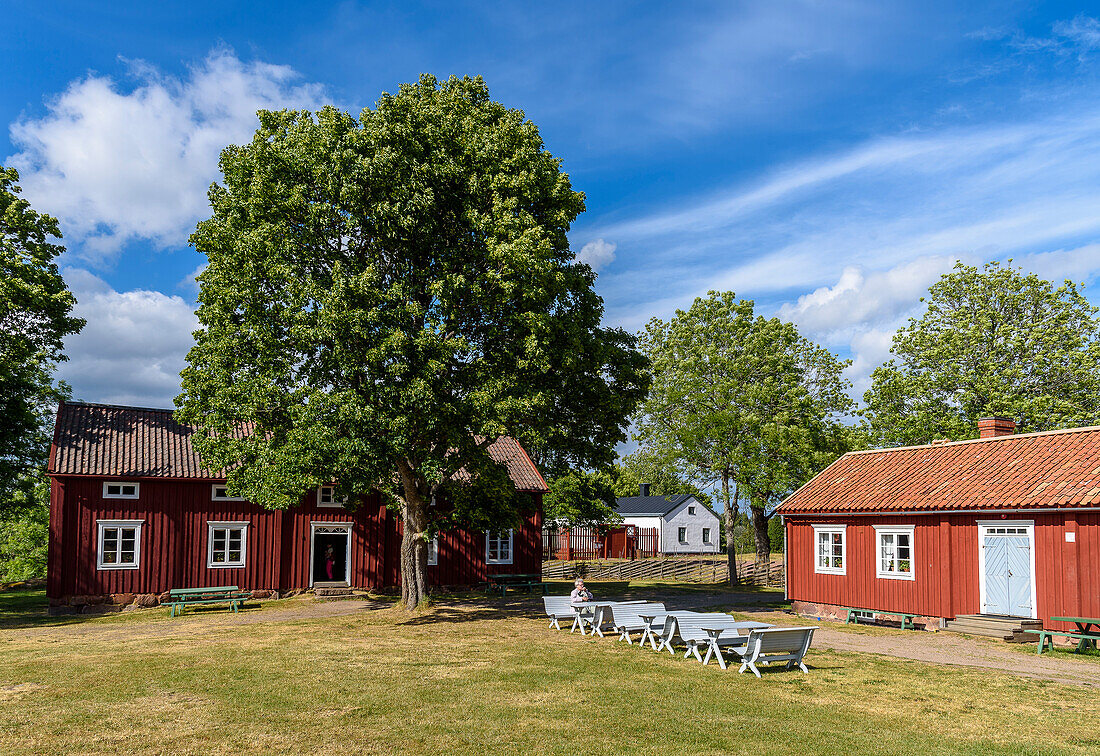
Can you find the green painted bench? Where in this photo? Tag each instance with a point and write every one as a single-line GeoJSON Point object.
{"type": "Point", "coordinates": [178, 598]}
{"type": "Point", "coordinates": [528, 582]}
{"type": "Point", "coordinates": [906, 617]}
{"type": "Point", "coordinates": [1086, 634]}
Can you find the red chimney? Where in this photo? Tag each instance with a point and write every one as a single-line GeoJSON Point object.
{"type": "Point", "coordinates": [991, 427]}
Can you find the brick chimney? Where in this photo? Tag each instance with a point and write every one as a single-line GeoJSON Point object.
{"type": "Point", "coordinates": [643, 489]}
{"type": "Point", "coordinates": [991, 427]}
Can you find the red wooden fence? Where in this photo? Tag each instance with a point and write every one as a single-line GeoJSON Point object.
{"type": "Point", "coordinates": [623, 542]}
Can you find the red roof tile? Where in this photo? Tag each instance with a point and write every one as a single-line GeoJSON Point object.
{"type": "Point", "coordinates": [1028, 471]}
{"type": "Point", "coordinates": [134, 442]}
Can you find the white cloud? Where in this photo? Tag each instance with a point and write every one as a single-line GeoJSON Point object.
{"type": "Point", "coordinates": [132, 349]}
{"type": "Point", "coordinates": [116, 165]}
{"type": "Point", "coordinates": [598, 254]}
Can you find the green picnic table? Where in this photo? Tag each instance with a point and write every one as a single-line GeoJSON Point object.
{"type": "Point", "coordinates": [1086, 635]}
{"type": "Point", "coordinates": [527, 581]}
{"type": "Point", "coordinates": [178, 598]}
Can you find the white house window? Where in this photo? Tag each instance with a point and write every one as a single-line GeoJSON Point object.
{"type": "Point", "coordinates": [326, 497]}
{"type": "Point", "coordinates": [831, 550]}
{"type": "Point", "coordinates": [895, 552]}
{"type": "Point", "coordinates": [227, 544]}
{"type": "Point", "coordinates": [119, 544]}
{"type": "Point", "coordinates": [219, 492]}
{"type": "Point", "coordinates": [706, 535]}
{"type": "Point", "coordinates": [113, 490]}
{"type": "Point", "coordinates": [433, 551]}
{"type": "Point", "coordinates": [498, 547]}
{"type": "Point", "coordinates": [682, 535]}
{"type": "Point", "coordinates": [691, 510]}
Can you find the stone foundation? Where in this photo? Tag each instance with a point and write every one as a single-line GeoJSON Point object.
{"type": "Point", "coordinates": [128, 602]}
{"type": "Point", "coordinates": [838, 613]}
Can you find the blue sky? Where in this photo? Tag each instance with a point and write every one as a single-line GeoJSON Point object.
{"type": "Point", "coordinates": [828, 159]}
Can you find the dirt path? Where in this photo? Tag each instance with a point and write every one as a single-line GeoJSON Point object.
{"type": "Point", "coordinates": [932, 648]}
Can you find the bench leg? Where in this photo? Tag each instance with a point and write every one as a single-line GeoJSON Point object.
{"type": "Point", "coordinates": [846, 622]}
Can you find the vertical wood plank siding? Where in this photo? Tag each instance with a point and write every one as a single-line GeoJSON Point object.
{"type": "Point", "coordinates": [1067, 574]}
{"type": "Point", "coordinates": [174, 541]}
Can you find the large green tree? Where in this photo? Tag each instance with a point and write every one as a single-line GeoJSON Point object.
{"type": "Point", "coordinates": [581, 497]}
{"type": "Point", "coordinates": [384, 297]}
{"type": "Point", "coordinates": [35, 307]}
{"type": "Point", "coordinates": [741, 400]}
{"type": "Point", "coordinates": [992, 341]}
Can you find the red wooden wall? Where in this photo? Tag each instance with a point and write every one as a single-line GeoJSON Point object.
{"type": "Point", "coordinates": [1067, 574]}
{"type": "Point", "coordinates": [174, 542]}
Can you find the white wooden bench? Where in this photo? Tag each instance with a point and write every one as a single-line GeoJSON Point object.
{"type": "Point", "coordinates": [626, 618]}
{"type": "Point", "coordinates": [788, 644]}
{"type": "Point", "coordinates": [670, 634]}
{"type": "Point", "coordinates": [559, 608]}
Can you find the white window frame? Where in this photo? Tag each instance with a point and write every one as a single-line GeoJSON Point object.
{"type": "Point", "coordinates": [136, 494]}
{"type": "Point", "coordinates": [433, 552]}
{"type": "Point", "coordinates": [211, 526]}
{"type": "Point", "coordinates": [831, 529]}
{"type": "Point", "coordinates": [102, 525]}
{"type": "Point", "coordinates": [896, 530]}
{"type": "Point", "coordinates": [499, 540]}
{"type": "Point", "coordinates": [706, 536]}
{"type": "Point", "coordinates": [214, 494]}
{"type": "Point", "coordinates": [681, 538]}
{"type": "Point", "coordinates": [334, 503]}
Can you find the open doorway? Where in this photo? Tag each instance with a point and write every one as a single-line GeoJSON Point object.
{"type": "Point", "coordinates": [329, 553]}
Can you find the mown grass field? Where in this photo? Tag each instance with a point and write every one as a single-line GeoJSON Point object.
{"type": "Point", "coordinates": [472, 678]}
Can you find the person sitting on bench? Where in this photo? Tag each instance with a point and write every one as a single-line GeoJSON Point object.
{"type": "Point", "coordinates": [580, 594]}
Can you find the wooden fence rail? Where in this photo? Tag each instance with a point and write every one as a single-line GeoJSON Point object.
{"type": "Point", "coordinates": [686, 569]}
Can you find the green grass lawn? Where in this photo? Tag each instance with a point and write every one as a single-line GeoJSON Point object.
{"type": "Point", "coordinates": [471, 678]}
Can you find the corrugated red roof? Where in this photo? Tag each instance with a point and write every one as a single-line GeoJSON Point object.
{"type": "Point", "coordinates": [1028, 471]}
{"type": "Point", "coordinates": [135, 442]}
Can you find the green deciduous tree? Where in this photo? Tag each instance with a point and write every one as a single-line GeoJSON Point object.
{"type": "Point", "coordinates": [35, 318]}
{"type": "Point", "coordinates": [646, 466]}
{"type": "Point", "coordinates": [25, 529]}
{"type": "Point", "coordinates": [387, 294]}
{"type": "Point", "coordinates": [991, 342]}
{"type": "Point", "coordinates": [581, 498]}
{"type": "Point", "coordinates": [742, 400]}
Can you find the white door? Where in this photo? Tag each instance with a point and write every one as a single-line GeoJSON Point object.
{"type": "Point", "coordinates": [1007, 579]}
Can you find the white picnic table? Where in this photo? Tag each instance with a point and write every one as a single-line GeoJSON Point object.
{"type": "Point", "coordinates": [594, 619]}
{"type": "Point", "coordinates": [661, 632]}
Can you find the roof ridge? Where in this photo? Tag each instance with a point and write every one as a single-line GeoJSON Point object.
{"type": "Point", "coordinates": [71, 402]}
{"type": "Point", "coordinates": [1008, 437]}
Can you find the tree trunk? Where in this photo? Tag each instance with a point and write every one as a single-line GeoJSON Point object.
{"type": "Point", "coordinates": [763, 541]}
{"type": "Point", "coordinates": [731, 515]}
{"type": "Point", "coordinates": [414, 549]}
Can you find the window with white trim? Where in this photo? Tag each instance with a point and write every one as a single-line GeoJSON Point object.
{"type": "Point", "coordinates": [227, 544]}
{"type": "Point", "coordinates": [895, 551]}
{"type": "Point", "coordinates": [219, 492]}
{"type": "Point", "coordinates": [682, 535]}
{"type": "Point", "coordinates": [119, 544]}
{"type": "Point", "coordinates": [433, 551]}
{"type": "Point", "coordinates": [326, 497]}
{"type": "Point", "coordinates": [498, 547]}
{"type": "Point", "coordinates": [830, 545]}
{"type": "Point", "coordinates": [706, 535]}
{"type": "Point", "coordinates": [120, 490]}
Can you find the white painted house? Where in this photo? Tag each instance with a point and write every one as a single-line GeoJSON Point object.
{"type": "Point", "coordinates": [684, 524]}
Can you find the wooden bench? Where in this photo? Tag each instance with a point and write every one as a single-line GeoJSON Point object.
{"type": "Point", "coordinates": [906, 617]}
{"type": "Point", "coordinates": [178, 598]}
{"type": "Point", "coordinates": [528, 582]}
{"type": "Point", "coordinates": [1086, 634]}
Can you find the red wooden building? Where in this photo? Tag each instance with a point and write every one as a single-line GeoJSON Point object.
{"type": "Point", "coordinates": [1004, 525]}
{"type": "Point", "coordinates": [133, 513]}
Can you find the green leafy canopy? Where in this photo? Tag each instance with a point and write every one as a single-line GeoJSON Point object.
{"type": "Point", "coordinates": [387, 294]}
{"type": "Point", "coordinates": [35, 318]}
{"type": "Point", "coordinates": [993, 341]}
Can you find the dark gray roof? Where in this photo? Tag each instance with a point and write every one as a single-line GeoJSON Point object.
{"type": "Point", "coordinates": [657, 506]}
